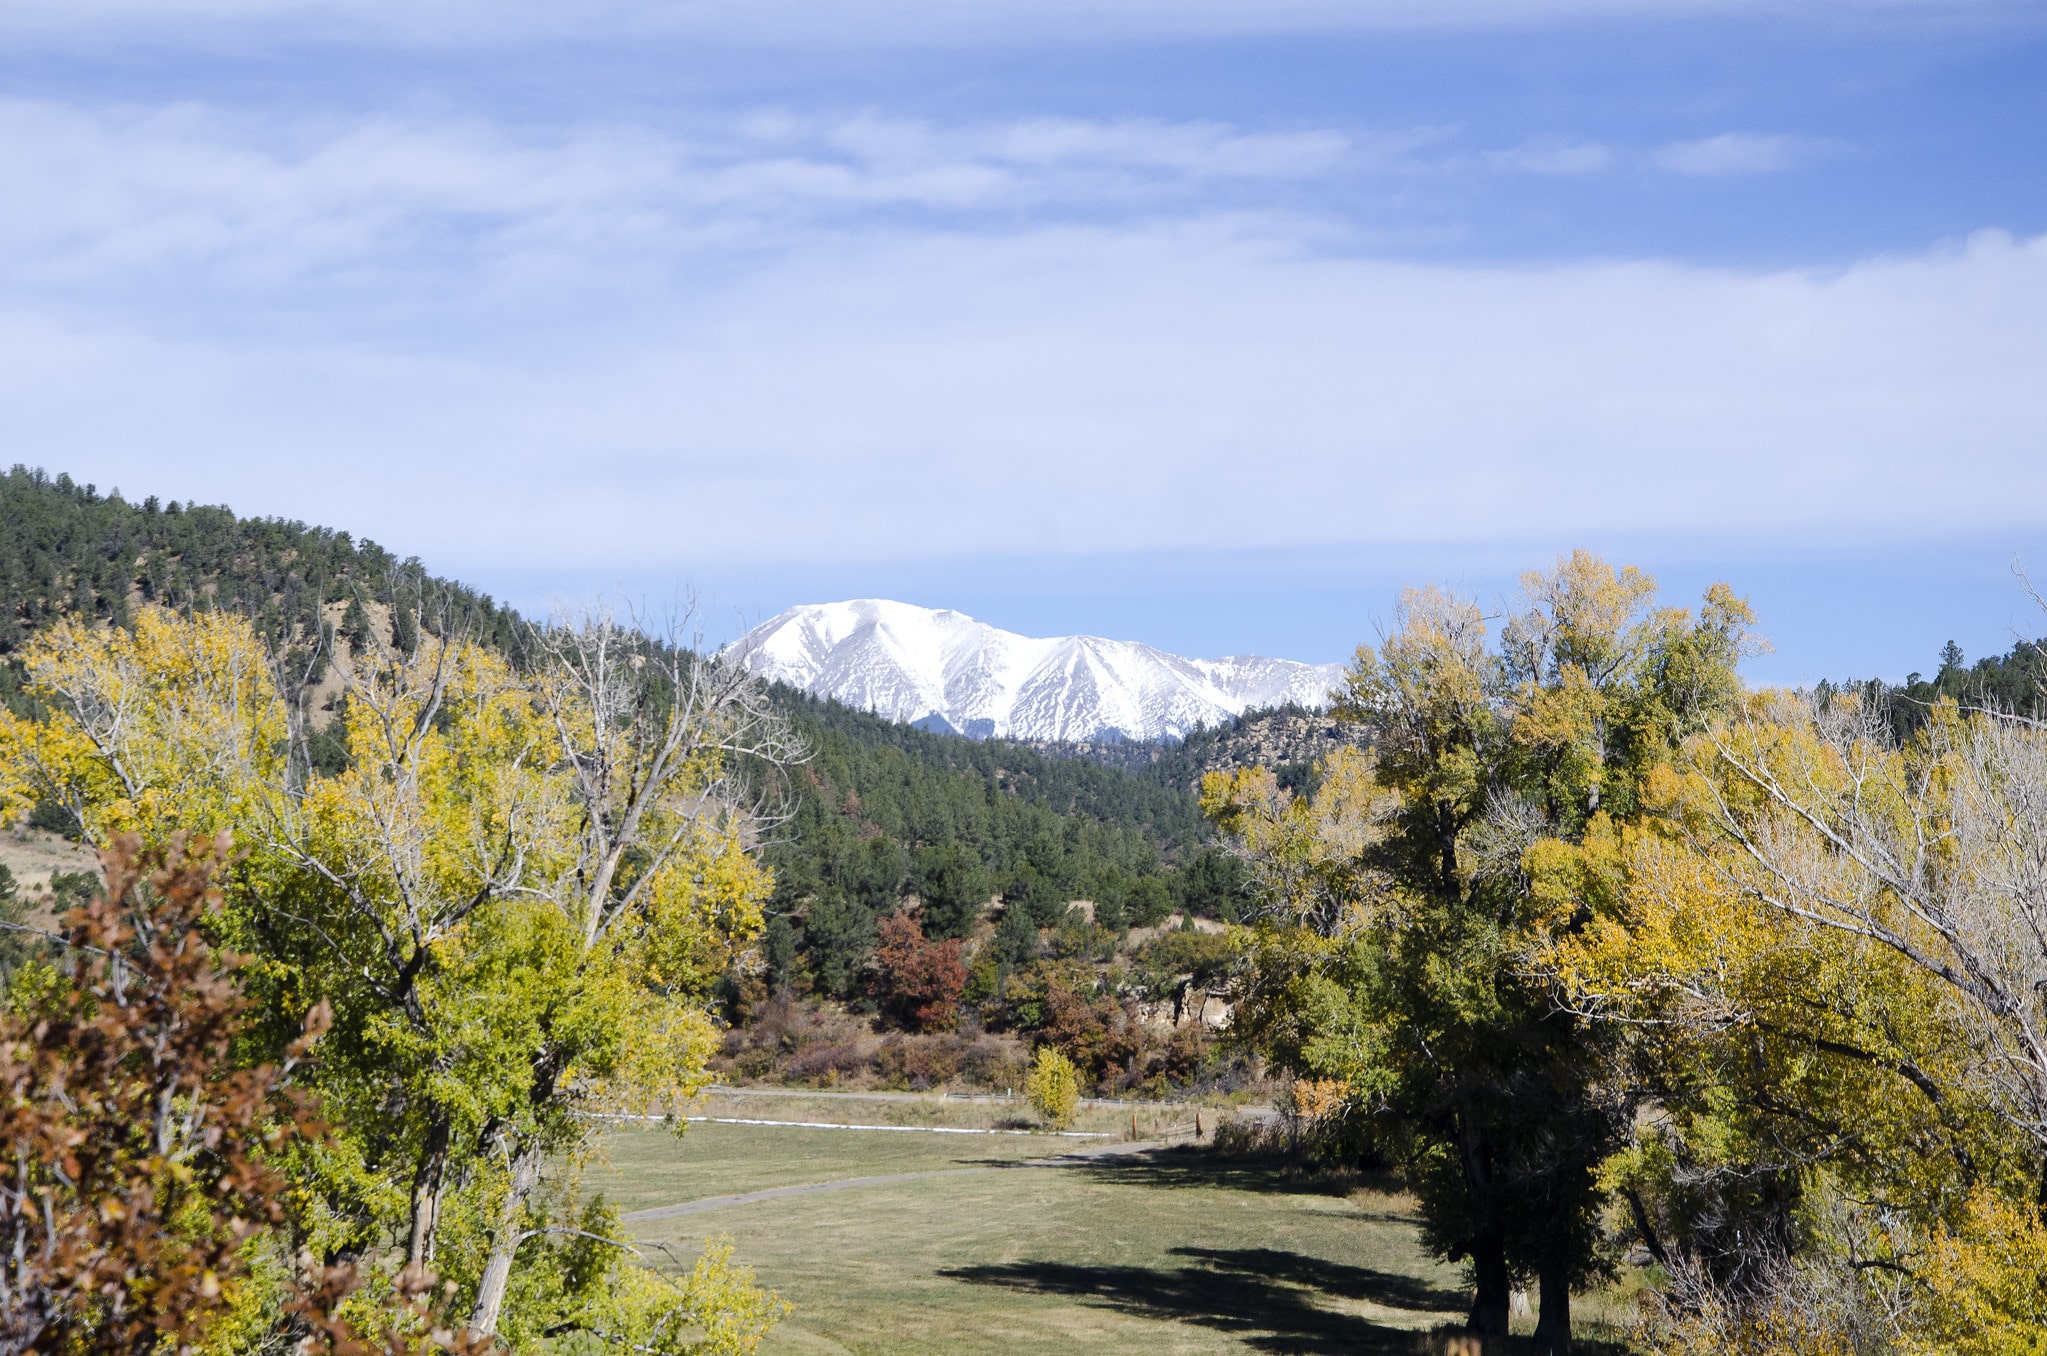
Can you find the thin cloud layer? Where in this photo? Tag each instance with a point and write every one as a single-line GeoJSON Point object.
{"type": "Point", "coordinates": [105, 192]}
{"type": "Point", "coordinates": [786, 333]}
{"type": "Point", "coordinates": [1729, 153]}
{"type": "Point", "coordinates": [810, 23]}
{"type": "Point", "coordinates": [349, 218]}
{"type": "Point", "coordinates": [911, 397]}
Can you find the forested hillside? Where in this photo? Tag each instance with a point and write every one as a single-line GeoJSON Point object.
{"type": "Point", "coordinates": [879, 811]}
{"type": "Point", "coordinates": [66, 547]}
{"type": "Point", "coordinates": [882, 811]}
{"type": "Point", "coordinates": [1288, 739]}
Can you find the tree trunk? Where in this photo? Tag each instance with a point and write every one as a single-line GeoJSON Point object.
{"type": "Point", "coordinates": [1553, 1324]}
{"type": "Point", "coordinates": [1446, 845]}
{"type": "Point", "coordinates": [1488, 1247]}
{"type": "Point", "coordinates": [497, 1272]}
{"type": "Point", "coordinates": [1489, 1272]}
{"type": "Point", "coordinates": [428, 1182]}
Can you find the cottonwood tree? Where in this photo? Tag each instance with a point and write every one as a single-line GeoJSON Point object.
{"type": "Point", "coordinates": [1934, 851]}
{"type": "Point", "coordinates": [1834, 951]}
{"type": "Point", "coordinates": [1408, 901]}
{"type": "Point", "coordinates": [649, 888]}
{"type": "Point", "coordinates": [514, 897]}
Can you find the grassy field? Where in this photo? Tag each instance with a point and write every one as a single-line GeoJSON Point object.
{"type": "Point", "coordinates": [969, 1249]}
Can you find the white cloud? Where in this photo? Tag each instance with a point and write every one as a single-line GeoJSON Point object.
{"type": "Point", "coordinates": [1094, 389]}
{"type": "Point", "coordinates": [95, 192]}
{"type": "Point", "coordinates": [781, 337]}
{"type": "Point", "coordinates": [1553, 157]}
{"type": "Point", "coordinates": [1728, 153]}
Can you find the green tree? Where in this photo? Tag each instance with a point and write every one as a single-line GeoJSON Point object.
{"type": "Point", "coordinates": [1410, 901]}
{"type": "Point", "coordinates": [1214, 885]}
{"type": "Point", "coordinates": [515, 898]}
{"type": "Point", "coordinates": [1016, 937]}
{"type": "Point", "coordinates": [355, 625]}
{"type": "Point", "coordinates": [839, 934]}
{"type": "Point", "coordinates": [1151, 899]}
{"type": "Point", "coordinates": [953, 888]}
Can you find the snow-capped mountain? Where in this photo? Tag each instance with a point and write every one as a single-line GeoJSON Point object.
{"type": "Point", "coordinates": [945, 671]}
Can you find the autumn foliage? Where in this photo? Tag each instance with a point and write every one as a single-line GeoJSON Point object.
{"type": "Point", "coordinates": [138, 1184]}
{"type": "Point", "coordinates": [134, 1171]}
{"type": "Point", "coordinates": [920, 980]}
{"type": "Point", "coordinates": [513, 887]}
{"type": "Point", "coordinates": [1053, 1087]}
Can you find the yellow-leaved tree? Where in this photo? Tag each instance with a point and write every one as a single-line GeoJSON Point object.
{"type": "Point", "coordinates": [515, 895]}
{"type": "Point", "coordinates": [1829, 945]}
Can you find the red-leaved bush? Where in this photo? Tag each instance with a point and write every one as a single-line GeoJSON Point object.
{"type": "Point", "coordinates": [920, 981]}
{"type": "Point", "coordinates": [135, 1152]}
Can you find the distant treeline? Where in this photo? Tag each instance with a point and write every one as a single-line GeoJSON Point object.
{"type": "Point", "coordinates": [67, 548]}
{"type": "Point", "coordinates": [2014, 682]}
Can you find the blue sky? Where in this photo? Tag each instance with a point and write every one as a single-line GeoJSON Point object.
{"type": "Point", "coordinates": [1207, 323]}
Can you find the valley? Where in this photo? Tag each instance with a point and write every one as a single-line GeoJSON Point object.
{"type": "Point", "coordinates": [1288, 1030]}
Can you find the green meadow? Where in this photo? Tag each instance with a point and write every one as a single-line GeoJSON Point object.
{"type": "Point", "coordinates": [978, 1243]}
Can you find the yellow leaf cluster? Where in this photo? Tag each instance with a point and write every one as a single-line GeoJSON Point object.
{"type": "Point", "coordinates": [175, 724]}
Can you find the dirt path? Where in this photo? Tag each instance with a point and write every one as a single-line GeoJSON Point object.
{"type": "Point", "coordinates": [740, 1090]}
{"type": "Point", "coordinates": [1067, 1160]}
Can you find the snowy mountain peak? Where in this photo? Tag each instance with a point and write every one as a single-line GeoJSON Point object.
{"type": "Point", "coordinates": [943, 670]}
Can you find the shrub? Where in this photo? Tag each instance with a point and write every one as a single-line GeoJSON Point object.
{"type": "Point", "coordinates": [920, 1062]}
{"type": "Point", "coordinates": [142, 1205]}
{"type": "Point", "coordinates": [1111, 1046]}
{"type": "Point", "coordinates": [1053, 1087]}
{"type": "Point", "coordinates": [811, 1042]}
{"type": "Point", "coordinates": [1243, 1137]}
{"type": "Point", "coordinates": [804, 1042]}
{"type": "Point", "coordinates": [826, 1062]}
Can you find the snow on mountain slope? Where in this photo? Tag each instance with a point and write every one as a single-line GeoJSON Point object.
{"type": "Point", "coordinates": [944, 670]}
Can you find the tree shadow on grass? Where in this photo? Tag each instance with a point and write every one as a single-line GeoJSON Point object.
{"type": "Point", "coordinates": [1266, 1297]}
{"type": "Point", "coordinates": [1390, 1288]}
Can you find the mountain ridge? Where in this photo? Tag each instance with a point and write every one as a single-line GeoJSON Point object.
{"type": "Point", "coordinates": [942, 670]}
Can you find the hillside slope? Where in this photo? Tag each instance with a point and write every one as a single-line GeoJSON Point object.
{"type": "Point", "coordinates": [880, 811]}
